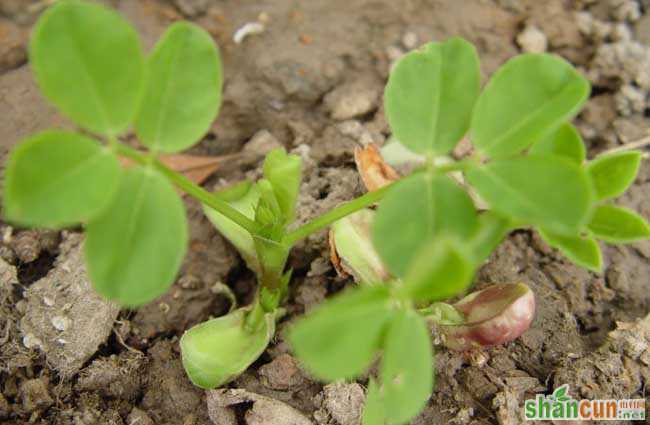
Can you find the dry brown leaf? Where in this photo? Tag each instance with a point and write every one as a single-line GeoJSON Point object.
{"type": "Point", "coordinates": [195, 168]}
{"type": "Point", "coordinates": [374, 171]}
{"type": "Point", "coordinates": [334, 256]}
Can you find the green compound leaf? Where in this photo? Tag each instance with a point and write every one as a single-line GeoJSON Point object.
{"type": "Point", "coordinates": [565, 142]}
{"type": "Point", "coordinates": [547, 191]}
{"type": "Point", "coordinates": [135, 248]}
{"type": "Point", "coordinates": [183, 92]}
{"type": "Point", "coordinates": [430, 95]}
{"type": "Point", "coordinates": [219, 350]}
{"type": "Point", "coordinates": [340, 338]}
{"type": "Point", "coordinates": [88, 62]}
{"type": "Point", "coordinates": [56, 179]}
{"type": "Point", "coordinates": [440, 270]}
{"type": "Point", "coordinates": [284, 172]}
{"type": "Point", "coordinates": [243, 197]}
{"type": "Point", "coordinates": [416, 210]}
{"type": "Point", "coordinates": [407, 367]}
{"type": "Point", "coordinates": [613, 174]}
{"type": "Point", "coordinates": [618, 225]}
{"type": "Point", "coordinates": [373, 411]}
{"type": "Point", "coordinates": [526, 99]}
{"type": "Point", "coordinates": [583, 251]}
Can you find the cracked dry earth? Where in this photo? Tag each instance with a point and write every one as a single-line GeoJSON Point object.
{"type": "Point", "coordinates": [312, 82]}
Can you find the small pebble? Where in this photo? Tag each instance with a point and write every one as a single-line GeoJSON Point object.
{"type": "Point", "coordinates": [478, 358]}
{"type": "Point", "coordinates": [261, 143]}
{"type": "Point", "coordinates": [410, 40]}
{"type": "Point", "coordinates": [351, 100]}
{"type": "Point", "coordinates": [532, 40]}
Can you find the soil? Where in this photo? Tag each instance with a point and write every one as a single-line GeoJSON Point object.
{"type": "Point", "coordinates": [312, 81]}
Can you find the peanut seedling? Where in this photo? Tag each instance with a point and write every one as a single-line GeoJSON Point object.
{"type": "Point", "coordinates": [528, 168]}
{"type": "Point", "coordinates": [419, 248]}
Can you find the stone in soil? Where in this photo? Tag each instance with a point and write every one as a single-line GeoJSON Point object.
{"type": "Point", "coordinates": [64, 315]}
{"type": "Point", "coordinates": [283, 373]}
{"type": "Point", "coordinates": [228, 406]}
{"type": "Point", "coordinates": [532, 40]}
{"type": "Point", "coordinates": [13, 45]}
{"type": "Point", "coordinates": [353, 99]}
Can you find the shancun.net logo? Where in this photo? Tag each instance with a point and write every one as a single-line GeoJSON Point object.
{"type": "Point", "coordinates": [561, 406]}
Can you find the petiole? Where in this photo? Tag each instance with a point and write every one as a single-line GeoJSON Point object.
{"type": "Point", "coordinates": [335, 214]}
{"type": "Point", "coordinates": [188, 187]}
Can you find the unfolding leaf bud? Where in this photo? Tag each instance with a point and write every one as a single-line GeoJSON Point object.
{"type": "Point", "coordinates": [495, 315]}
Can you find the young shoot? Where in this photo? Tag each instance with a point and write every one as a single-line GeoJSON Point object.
{"type": "Point", "coordinates": [412, 255]}
{"type": "Point", "coordinates": [434, 228]}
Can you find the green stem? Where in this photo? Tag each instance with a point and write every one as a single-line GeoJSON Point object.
{"type": "Point", "coordinates": [188, 187]}
{"type": "Point", "coordinates": [333, 215]}
{"type": "Point", "coordinates": [255, 317]}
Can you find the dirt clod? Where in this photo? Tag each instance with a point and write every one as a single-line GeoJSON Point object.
{"type": "Point", "coordinates": [34, 395]}
{"type": "Point", "coordinates": [353, 99]}
{"type": "Point", "coordinates": [13, 49]}
{"type": "Point", "coordinates": [282, 373]}
{"type": "Point", "coordinates": [26, 245]}
{"type": "Point", "coordinates": [138, 417]}
{"type": "Point", "coordinates": [614, 370]}
{"type": "Point", "coordinates": [341, 404]}
{"type": "Point", "coordinates": [75, 320]}
{"type": "Point", "coordinates": [257, 409]}
{"type": "Point", "coordinates": [114, 376]}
